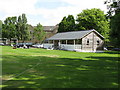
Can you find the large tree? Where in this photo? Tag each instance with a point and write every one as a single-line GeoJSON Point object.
{"type": "Point", "coordinates": [63, 25]}
{"type": "Point", "coordinates": [13, 28]}
{"type": "Point", "coordinates": [93, 19]}
{"type": "Point", "coordinates": [24, 28]}
{"type": "Point", "coordinates": [19, 28]}
{"type": "Point", "coordinates": [114, 16]}
{"type": "Point", "coordinates": [67, 24]}
{"type": "Point", "coordinates": [39, 33]}
{"type": "Point", "coordinates": [9, 28]}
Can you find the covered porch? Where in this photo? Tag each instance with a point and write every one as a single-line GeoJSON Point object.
{"type": "Point", "coordinates": [64, 44]}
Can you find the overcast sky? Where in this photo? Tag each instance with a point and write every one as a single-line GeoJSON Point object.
{"type": "Point", "coordinates": [46, 12]}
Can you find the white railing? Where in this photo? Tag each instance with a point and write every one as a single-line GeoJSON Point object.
{"type": "Point", "coordinates": [47, 45]}
{"type": "Point", "coordinates": [78, 46]}
{"type": "Point", "coordinates": [70, 46]}
{"type": "Point", "coordinates": [64, 46]}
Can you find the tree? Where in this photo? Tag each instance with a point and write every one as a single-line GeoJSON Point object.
{"type": "Point", "coordinates": [71, 23]}
{"type": "Point", "coordinates": [113, 7]}
{"type": "Point", "coordinates": [13, 28]}
{"type": "Point", "coordinates": [39, 33]}
{"type": "Point", "coordinates": [24, 28]}
{"type": "Point", "coordinates": [93, 19]}
{"type": "Point", "coordinates": [67, 24]}
{"type": "Point", "coordinates": [0, 29]}
{"type": "Point", "coordinates": [114, 16]}
{"type": "Point", "coordinates": [115, 30]}
{"type": "Point", "coordinates": [63, 25]}
{"type": "Point", "coordinates": [18, 27]}
{"type": "Point", "coordinates": [9, 28]}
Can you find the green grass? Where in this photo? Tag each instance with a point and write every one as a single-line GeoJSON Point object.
{"type": "Point", "coordinates": [41, 68]}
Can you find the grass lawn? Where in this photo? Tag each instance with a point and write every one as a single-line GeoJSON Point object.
{"type": "Point", "coordinates": [41, 68]}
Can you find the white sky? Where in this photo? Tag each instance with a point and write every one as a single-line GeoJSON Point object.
{"type": "Point", "coordinates": [46, 12]}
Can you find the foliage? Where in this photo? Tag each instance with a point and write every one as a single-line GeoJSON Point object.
{"type": "Point", "coordinates": [9, 28]}
{"type": "Point", "coordinates": [41, 68]}
{"type": "Point", "coordinates": [62, 25]}
{"type": "Point", "coordinates": [115, 30]}
{"type": "Point", "coordinates": [113, 7]}
{"type": "Point", "coordinates": [93, 19]}
{"type": "Point", "coordinates": [13, 28]}
{"type": "Point", "coordinates": [22, 24]}
{"type": "Point", "coordinates": [67, 24]}
{"type": "Point", "coordinates": [114, 16]}
{"type": "Point", "coordinates": [39, 33]}
{"type": "Point", "coordinates": [0, 28]}
{"type": "Point", "coordinates": [0, 24]}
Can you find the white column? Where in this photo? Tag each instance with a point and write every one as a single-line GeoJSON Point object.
{"type": "Point", "coordinates": [74, 44]}
{"type": "Point", "coordinates": [59, 43]}
{"type": "Point", "coordinates": [66, 42]}
{"type": "Point", "coordinates": [53, 42]}
{"type": "Point", "coordinates": [48, 41]}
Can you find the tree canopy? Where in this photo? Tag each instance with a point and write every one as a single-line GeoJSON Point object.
{"type": "Point", "coordinates": [9, 28]}
{"type": "Point", "coordinates": [114, 16]}
{"type": "Point", "coordinates": [67, 24]}
{"type": "Point", "coordinates": [39, 33]}
{"type": "Point", "coordinates": [14, 27]}
{"type": "Point", "coordinates": [93, 19]}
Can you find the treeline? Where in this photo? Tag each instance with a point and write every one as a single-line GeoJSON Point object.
{"type": "Point", "coordinates": [14, 27]}
{"type": "Point", "coordinates": [106, 24]}
{"type": "Point", "coordinates": [17, 27]}
{"type": "Point", "coordinates": [114, 18]}
{"type": "Point", "coordinates": [86, 20]}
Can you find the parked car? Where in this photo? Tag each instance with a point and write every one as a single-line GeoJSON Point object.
{"type": "Point", "coordinates": [116, 49]}
{"type": "Point", "coordinates": [38, 45]}
{"type": "Point", "coordinates": [24, 44]}
{"type": "Point", "coordinates": [2, 44]}
{"type": "Point", "coordinates": [109, 48]}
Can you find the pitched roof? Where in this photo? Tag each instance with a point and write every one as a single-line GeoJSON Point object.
{"type": "Point", "coordinates": [72, 35]}
{"type": "Point", "coordinates": [49, 28]}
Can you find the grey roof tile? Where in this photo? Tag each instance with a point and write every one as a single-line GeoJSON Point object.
{"type": "Point", "coordinates": [71, 35]}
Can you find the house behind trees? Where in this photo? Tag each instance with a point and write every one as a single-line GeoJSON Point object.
{"type": "Point", "coordinates": [50, 31]}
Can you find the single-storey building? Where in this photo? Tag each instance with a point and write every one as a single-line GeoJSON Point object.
{"type": "Point", "coordinates": [82, 41]}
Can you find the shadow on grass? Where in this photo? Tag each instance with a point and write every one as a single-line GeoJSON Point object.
{"type": "Point", "coordinates": [112, 52]}
{"type": "Point", "coordinates": [50, 72]}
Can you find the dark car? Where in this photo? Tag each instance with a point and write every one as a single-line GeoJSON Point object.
{"type": "Point", "coordinates": [19, 45]}
{"type": "Point", "coordinates": [116, 49]}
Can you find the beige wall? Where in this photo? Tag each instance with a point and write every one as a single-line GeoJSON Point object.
{"type": "Point", "coordinates": [93, 44]}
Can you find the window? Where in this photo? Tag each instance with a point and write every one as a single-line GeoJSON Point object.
{"type": "Point", "coordinates": [63, 42]}
{"type": "Point", "coordinates": [88, 42]}
{"type": "Point", "coordinates": [46, 41]}
{"type": "Point", "coordinates": [70, 42]}
{"type": "Point", "coordinates": [78, 41]}
{"type": "Point", "coordinates": [30, 32]}
{"type": "Point", "coordinates": [98, 42]}
{"type": "Point", "coordinates": [51, 41]}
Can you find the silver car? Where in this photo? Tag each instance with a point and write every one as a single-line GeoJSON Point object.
{"type": "Point", "coordinates": [38, 45]}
